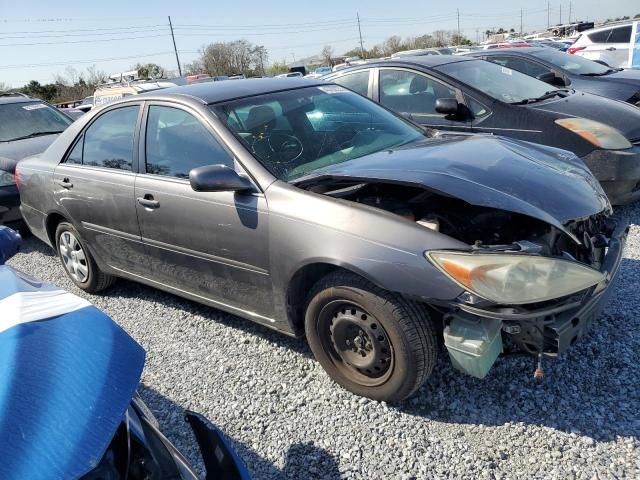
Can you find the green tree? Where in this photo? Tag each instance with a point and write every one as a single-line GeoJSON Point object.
{"type": "Point", "coordinates": [277, 68]}
{"type": "Point", "coordinates": [149, 70]}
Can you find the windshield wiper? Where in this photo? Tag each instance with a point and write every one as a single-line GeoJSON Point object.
{"type": "Point", "coordinates": [602, 74]}
{"type": "Point", "coordinates": [561, 92]}
{"type": "Point", "coordinates": [34, 134]}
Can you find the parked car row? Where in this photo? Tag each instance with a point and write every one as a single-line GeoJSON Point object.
{"type": "Point", "coordinates": [475, 96]}
{"type": "Point", "coordinates": [310, 209]}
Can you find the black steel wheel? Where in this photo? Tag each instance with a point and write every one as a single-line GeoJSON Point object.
{"type": "Point", "coordinates": [357, 342]}
{"type": "Point", "coordinates": [372, 342]}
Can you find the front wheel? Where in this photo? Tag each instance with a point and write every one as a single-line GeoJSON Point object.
{"type": "Point", "coordinates": [372, 342]}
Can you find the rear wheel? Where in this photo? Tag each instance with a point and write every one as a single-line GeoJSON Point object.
{"type": "Point", "coordinates": [78, 262]}
{"type": "Point", "coordinates": [372, 342]}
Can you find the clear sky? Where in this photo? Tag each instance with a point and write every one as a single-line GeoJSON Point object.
{"type": "Point", "coordinates": [39, 38]}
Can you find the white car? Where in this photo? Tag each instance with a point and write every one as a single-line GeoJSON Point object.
{"type": "Point", "coordinates": [611, 44]}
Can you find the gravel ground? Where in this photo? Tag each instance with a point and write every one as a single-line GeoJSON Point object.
{"type": "Point", "coordinates": [288, 420]}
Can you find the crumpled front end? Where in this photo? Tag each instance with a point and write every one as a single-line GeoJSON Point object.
{"type": "Point", "coordinates": [477, 330]}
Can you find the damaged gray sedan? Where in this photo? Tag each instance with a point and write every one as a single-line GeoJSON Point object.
{"type": "Point", "coordinates": [314, 211]}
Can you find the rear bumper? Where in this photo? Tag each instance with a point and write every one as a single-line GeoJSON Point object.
{"type": "Point", "coordinates": [554, 330]}
{"type": "Point", "coordinates": [618, 172]}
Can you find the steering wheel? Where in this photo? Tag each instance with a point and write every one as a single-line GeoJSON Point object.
{"type": "Point", "coordinates": [279, 148]}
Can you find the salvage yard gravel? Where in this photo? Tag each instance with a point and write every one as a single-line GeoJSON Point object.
{"type": "Point", "coordinates": [287, 419]}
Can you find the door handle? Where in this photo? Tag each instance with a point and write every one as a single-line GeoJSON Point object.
{"type": "Point", "coordinates": [65, 183]}
{"type": "Point", "coordinates": [148, 202]}
{"type": "Point", "coordinates": [611, 49]}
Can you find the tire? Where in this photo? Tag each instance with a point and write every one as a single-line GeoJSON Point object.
{"type": "Point", "coordinates": [77, 261]}
{"type": "Point", "coordinates": [399, 347]}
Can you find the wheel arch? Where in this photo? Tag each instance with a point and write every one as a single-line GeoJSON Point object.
{"type": "Point", "coordinates": [302, 281]}
{"type": "Point", "coordinates": [51, 223]}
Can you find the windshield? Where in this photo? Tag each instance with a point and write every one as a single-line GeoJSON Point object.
{"type": "Point", "coordinates": [572, 63]}
{"type": "Point", "coordinates": [501, 83]}
{"type": "Point", "coordinates": [20, 120]}
{"type": "Point", "coordinates": [297, 131]}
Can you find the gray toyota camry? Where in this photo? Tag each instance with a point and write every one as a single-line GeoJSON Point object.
{"type": "Point", "coordinates": [314, 211]}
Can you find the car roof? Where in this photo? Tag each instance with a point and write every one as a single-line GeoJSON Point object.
{"type": "Point", "coordinates": [498, 51]}
{"type": "Point", "coordinates": [17, 98]}
{"type": "Point", "coordinates": [215, 92]}
{"type": "Point", "coordinates": [422, 60]}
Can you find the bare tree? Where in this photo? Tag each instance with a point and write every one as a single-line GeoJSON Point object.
{"type": "Point", "coordinates": [327, 55]}
{"type": "Point", "coordinates": [236, 57]}
{"type": "Point", "coordinates": [4, 87]}
{"type": "Point", "coordinates": [392, 44]}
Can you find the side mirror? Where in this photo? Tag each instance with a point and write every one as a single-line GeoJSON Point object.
{"type": "Point", "coordinates": [547, 77]}
{"type": "Point", "coordinates": [218, 178]}
{"type": "Point", "coordinates": [447, 106]}
{"type": "Point", "coordinates": [554, 79]}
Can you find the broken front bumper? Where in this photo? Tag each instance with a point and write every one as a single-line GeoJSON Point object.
{"type": "Point", "coordinates": [618, 171]}
{"type": "Point", "coordinates": [555, 329]}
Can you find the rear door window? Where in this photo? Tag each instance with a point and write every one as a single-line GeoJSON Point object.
{"type": "Point", "coordinates": [620, 35]}
{"type": "Point", "coordinates": [358, 82]}
{"type": "Point", "coordinates": [599, 37]}
{"type": "Point", "coordinates": [525, 66]}
{"type": "Point", "coordinates": [108, 142]}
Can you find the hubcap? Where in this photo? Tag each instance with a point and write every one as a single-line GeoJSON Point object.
{"type": "Point", "coordinates": [73, 257]}
{"type": "Point", "coordinates": [358, 342]}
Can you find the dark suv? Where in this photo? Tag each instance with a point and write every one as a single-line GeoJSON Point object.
{"type": "Point", "coordinates": [27, 127]}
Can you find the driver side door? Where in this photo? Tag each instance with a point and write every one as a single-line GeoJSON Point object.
{"type": "Point", "coordinates": [213, 245]}
{"type": "Point", "coordinates": [414, 95]}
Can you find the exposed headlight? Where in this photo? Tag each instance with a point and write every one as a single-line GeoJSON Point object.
{"type": "Point", "coordinates": [7, 179]}
{"type": "Point", "coordinates": [513, 278]}
{"type": "Point", "coordinates": [599, 134]}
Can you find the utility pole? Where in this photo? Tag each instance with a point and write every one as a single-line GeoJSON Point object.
{"type": "Point", "coordinates": [521, 31]}
{"type": "Point", "coordinates": [458, 10]}
{"type": "Point", "coordinates": [477, 35]}
{"type": "Point", "coordinates": [175, 49]}
{"type": "Point", "coordinates": [548, 13]}
{"type": "Point", "coordinates": [561, 14]}
{"type": "Point", "coordinates": [569, 21]}
{"type": "Point", "coordinates": [360, 32]}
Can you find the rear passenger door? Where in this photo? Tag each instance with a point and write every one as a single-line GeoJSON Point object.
{"type": "Point", "coordinates": [94, 184]}
{"type": "Point", "coordinates": [611, 46]}
{"type": "Point", "coordinates": [414, 95]}
{"type": "Point", "coordinates": [213, 245]}
{"type": "Point", "coordinates": [359, 81]}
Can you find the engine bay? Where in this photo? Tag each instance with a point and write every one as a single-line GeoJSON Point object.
{"type": "Point", "coordinates": [480, 227]}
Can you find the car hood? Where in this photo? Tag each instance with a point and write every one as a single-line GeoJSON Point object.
{"type": "Point", "coordinates": [618, 114]}
{"type": "Point", "coordinates": [20, 149]}
{"type": "Point", "coordinates": [68, 375]}
{"type": "Point", "coordinates": [549, 184]}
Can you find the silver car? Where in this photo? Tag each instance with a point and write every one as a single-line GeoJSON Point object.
{"type": "Point", "coordinates": [312, 210]}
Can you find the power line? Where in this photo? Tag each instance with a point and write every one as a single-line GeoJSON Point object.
{"type": "Point", "coordinates": [78, 41]}
{"type": "Point", "coordinates": [88, 29]}
{"type": "Point", "coordinates": [93, 60]}
{"type": "Point", "coordinates": [64, 35]}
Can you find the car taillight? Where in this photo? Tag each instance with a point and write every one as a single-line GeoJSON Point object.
{"type": "Point", "coordinates": [16, 174]}
{"type": "Point", "coordinates": [573, 50]}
